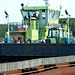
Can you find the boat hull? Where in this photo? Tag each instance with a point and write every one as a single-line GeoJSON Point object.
{"type": "Point", "coordinates": [37, 49]}
{"type": "Point", "coordinates": [18, 52]}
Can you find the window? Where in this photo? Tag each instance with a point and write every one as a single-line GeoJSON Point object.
{"type": "Point", "coordinates": [28, 14]}
{"type": "Point", "coordinates": [25, 15]}
{"type": "Point", "coordinates": [32, 14]}
{"type": "Point", "coordinates": [51, 14]}
{"type": "Point", "coordinates": [43, 14]}
{"type": "Point", "coordinates": [56, 16]}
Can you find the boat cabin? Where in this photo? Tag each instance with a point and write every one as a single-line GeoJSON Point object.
{"type": "Point", "coordinates": [37, 21]}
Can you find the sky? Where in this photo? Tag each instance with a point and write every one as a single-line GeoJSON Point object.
{"type": "Point", "coordinates": [13, 8]}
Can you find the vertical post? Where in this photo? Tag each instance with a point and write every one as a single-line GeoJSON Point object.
{"type": "Point", "coordinates": [8, 26]}
{"type": "Point", "coordinates": [68, 31]}
{"type": "Point", "coordinates": [48, 9]}
{"type": "Point", "coordinates": [29, 24]}
{"type": "Point", "coordinates": [38, 26]}
{"type": "Point", "coordinates": [7, 17]}
{"type": "Point", "coordinates": [22, 23]}
{"type": "Point", "coordinates": [8, 39]}
{"type": "Point", "coordinates": [68, 38]}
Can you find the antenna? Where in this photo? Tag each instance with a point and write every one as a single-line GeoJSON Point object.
{"type": "Point", "coordinates": [66, 12]}
{"type": "Point", "coordinates": [22, 5]}
{"type": "Point", "coordinates": [6, 13]}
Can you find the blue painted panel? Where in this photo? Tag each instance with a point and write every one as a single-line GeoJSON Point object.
{"type": "Point", "coordinates": [37, 49]}
{"type": "Point", "coordinates": [1, 49]}
{"type": "Point", "coordinates": [71, 49]}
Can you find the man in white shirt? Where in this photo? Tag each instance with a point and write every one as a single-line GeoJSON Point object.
{"type": "Point", "coordinates": [56, 35]}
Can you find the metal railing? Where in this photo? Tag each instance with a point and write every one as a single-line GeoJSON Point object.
{"type": "Point", "coordinates": [14, 25]}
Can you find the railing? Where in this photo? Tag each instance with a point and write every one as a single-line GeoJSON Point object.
{"type": "Point", "coordinates": [27, 25]}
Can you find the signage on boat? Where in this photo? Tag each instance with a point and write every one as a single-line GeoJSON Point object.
{"type": "Point", "coordinates": [20, 29]}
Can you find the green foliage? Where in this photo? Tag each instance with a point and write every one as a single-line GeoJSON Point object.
{"type": "Point", "coordinates": [71, 24]}
{"type": "Point", "coordinates": [3, 29]}
{"type": "Point", "coordinates": [1, 39]}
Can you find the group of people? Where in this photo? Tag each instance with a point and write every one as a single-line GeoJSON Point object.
{"type": "Point", "coordinates": [13, 40]}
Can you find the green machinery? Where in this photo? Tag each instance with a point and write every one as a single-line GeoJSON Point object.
{"type": "Point", "coordinates": [38, 20]}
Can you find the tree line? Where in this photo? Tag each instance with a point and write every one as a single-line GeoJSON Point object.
{"type": "Point", "coordinates": [3, 29]}
{"type": "Point", "coordinates": [71, 24]}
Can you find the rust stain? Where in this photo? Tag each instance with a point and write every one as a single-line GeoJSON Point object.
{"type": "Point", "coordinates": [59, 71]}
{"type": "Point", "coordinates": [62, 65]}
{"type": "Point", "coordinates": [12, 72]}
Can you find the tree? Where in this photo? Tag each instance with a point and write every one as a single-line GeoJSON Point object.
{"type": "Point", "coordinates": [71, 24]}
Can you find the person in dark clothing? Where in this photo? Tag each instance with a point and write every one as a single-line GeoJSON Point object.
{"type": "Point", "coordinates": [14, 40]}
{"type": "Point", "coordinates": [42, 41]}
{"type": "Point", "coordinates": [29, 40]}
{"type": "Point", "coordinates": [48, 41]}
{"type": "Point", "coordinates": [25, 18]}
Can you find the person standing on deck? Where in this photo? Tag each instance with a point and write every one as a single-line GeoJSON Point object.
{"type": "Point", "coordinates": [29, 40]}
{"type": "Point", "coordinates": [3, 41]}
{"type": "Point", "coordinates": [11, 39]}
{"type": "Point", "coordinates": [14, 40]}
{"type": "Point", "coordinates": [56, 35]}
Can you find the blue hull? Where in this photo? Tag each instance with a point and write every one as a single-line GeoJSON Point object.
{"type": "Point", "coordinates": [37, 49]}
{"type": "Point", "coordinates": [18, 52]}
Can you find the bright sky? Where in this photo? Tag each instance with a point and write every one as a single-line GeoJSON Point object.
{"type": "Point", "coordinates": [13, 8]}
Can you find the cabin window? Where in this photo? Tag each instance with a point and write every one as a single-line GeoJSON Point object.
{"type": "Point", "coordinates": [43, 17]}
{"type": "Point", "coordinates": [25, 15]}
{"type": "Point", "coordinates": [56, 16]}
{"type": "Point", "coordinates": [43, 14]}
{"type": "Point", "coordinates": [51, 14]}
{"type": "Point", "coordinates": [28, 14]}
{"type": "Point", "coordinates": [34, 14]}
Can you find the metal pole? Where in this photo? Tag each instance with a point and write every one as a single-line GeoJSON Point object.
{"type": "Point", "coordinates": [48, 9]}
{"type": "Point", "coordinates": [68, 31]}
{"type": "Point", "coordinates": [22, 23]}
{"type": "Point", "coordinates": [8, 26]}
{"type": "Point", "coordinates": [68, 38]}
{"type": "Point", "coordinates": [7, 17]}
{"type": "Point", "coordinates": [8, 31]}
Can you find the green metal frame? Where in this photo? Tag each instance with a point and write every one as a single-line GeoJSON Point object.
{"type": "Point", "coordinates": [42, 32]}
